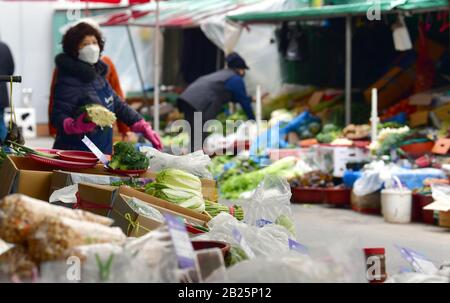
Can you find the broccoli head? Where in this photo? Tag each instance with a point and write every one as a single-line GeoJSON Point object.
{"type": "Point", "coordinates": [126, 157]}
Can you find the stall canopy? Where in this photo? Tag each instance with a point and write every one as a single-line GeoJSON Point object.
{"type": "Point", "coordinates": [358, 8]}
{"type": "Point", "coordinates": [174, 13]}
{"type": "Point", "coordinates": [342, 8]}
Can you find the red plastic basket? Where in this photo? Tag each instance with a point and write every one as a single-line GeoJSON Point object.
{"type": "Point", "coordinates": [337, 196]}
{"type": "Point", "coordinates": [418, 213]}
{"type": "Point", "coordinates": [128, 172]}
{"type": "Point", "coordinates": [307, 195]}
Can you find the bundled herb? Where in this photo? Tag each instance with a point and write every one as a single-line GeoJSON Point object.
{"type": "Point", "coordinates": [213, 209]}
{"type": "Point", "coordinates": [22, 150]}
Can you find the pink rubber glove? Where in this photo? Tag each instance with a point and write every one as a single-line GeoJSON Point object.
{"type": "Point", "coordinates": [144, 128]}
{"type": "Point", "coordinates": [78, 126]}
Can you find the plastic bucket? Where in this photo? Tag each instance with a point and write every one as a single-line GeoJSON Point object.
{"type": "Point", "coordinates": [396, 205]}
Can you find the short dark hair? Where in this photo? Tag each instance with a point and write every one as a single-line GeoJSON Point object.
{"type": "Point", "coordinates": [75, 35]}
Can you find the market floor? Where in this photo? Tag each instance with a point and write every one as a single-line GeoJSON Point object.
{"type": "Point", "coordinates": [325, 226]}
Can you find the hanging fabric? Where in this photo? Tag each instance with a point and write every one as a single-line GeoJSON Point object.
{"type": "Point", "coordinates": [402, 39]}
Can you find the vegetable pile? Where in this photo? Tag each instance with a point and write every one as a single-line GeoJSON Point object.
{"type": "Point", "coordinates": [313, 179]}
{"type": "Point", "coordinates": [126, 157]}
{"type": "Point", "coordinates": [233, 187]}
{"type": "Point", "coordinates": [224, 167]}
{"type": "Point", "coordinates": [329, 133]}
{"type": "Point", "coordinates": [99, 115]}
{"type": "Point", "coordinates": [179, 187]}
{"type": "Point", "coordinates": [213, 209]}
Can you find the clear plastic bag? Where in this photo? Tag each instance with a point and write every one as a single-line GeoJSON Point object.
{"type": "Point", "coordinates": [268, 240]}
{"type": "Point", "coordinates": [16, 265]}
{"type": "Point", "coordinates": [195, 163]}
{"type": "Point", "coordinates": [270, 202]}
{"type": "Point", "coordinates": [338, 263]}
{"type": "Point", "coordinates": [54, 237]}
{"type": "Point", "coordinates": [19, 214]}
{"type": "Point", "coordinates": [148, 259]}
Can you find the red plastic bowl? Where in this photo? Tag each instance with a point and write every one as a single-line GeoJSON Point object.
{"type": "Point", "coordinates": [50, 151]}
{"type": "Point", "coordinates": [60, 163]}
{"type": "Point", "coordinates": [224, 247]}
{"type": "Point", "coordinates": [307, 195]}
{"type": "Point", "coordinates": [129, 172]}
{"type": "Point", "coordinates": [338, 196]}
{"type": "Point", "coordinates": [78, 156]}
{"type": "Point", "coordinates": [417, 150]}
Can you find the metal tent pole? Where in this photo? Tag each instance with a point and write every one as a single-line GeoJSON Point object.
{"type": "Point", "coordinates": [157, 68]}
{"type": "Point", "coordinates": [348, 70]}
{"type": "Point", "coordinates": [136, 62]}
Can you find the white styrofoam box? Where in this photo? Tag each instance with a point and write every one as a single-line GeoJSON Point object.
{"type": "Point", "coordinates": [341, 155]}
{"type": "Point", "coordinates": [26, 119]}
{"type": "Point", "coordinates": [344, 155]}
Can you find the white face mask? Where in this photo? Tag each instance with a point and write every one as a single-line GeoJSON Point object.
{"type": "Point", "coordinates": [89, 54]}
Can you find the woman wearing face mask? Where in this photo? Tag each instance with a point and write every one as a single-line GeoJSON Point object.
{"type": "Point", "coordinates": [81, 81]}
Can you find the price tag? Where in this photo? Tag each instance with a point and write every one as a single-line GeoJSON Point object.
{"type": "Point", "coordinates": [183, 246]}
{"type": "Point", "coordinates": [294, 245]}
{"type": "Point", "coordinates": [97, 152]}
{"type": "Point", "coordinates": [419, 262]}
{"type": "Point", "coordinates": [263, 222]}
{"type": "Point", "coordinates": [244, 245]}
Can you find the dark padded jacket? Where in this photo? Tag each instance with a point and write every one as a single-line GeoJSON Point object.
{"type": "Point", "coordinates": [6, 69]}
{"type": "Point", "coordinates": [208, 93]}
{"type": "Point", "coordinates": [78, 84]}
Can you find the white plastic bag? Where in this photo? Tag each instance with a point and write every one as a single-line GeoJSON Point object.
{"type": "Point", "coordinates": [269, 240]}
{"type": "Point", "coordinates": [195, 163]}
{"type": "Point", "coordinates": [270, 202]}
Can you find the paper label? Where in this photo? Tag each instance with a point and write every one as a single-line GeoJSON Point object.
{"type": "Point", "coordinates": [294, 245]}
{"type": "Point", "coordinates": [263, 222]}
{"type": "Point", "coordinates": [244, 245]}
{"type": "Point", "coordinates": [419, 262]}
{"type": "Point", "coordinates": [183, 246]}
{"type": "Point", "coordinates": [93, 148]}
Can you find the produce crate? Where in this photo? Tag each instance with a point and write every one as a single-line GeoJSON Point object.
{"type": "Point", "coordinates": [418, 213]}
{"type": "Point", "coordinates": [369, 204]}
{"type": "Point", "coordinates": [338, 196]}
{"type": "Point", "coordinates": [444, 219]}
{"type": "Point", "coordinates": [305, 195]}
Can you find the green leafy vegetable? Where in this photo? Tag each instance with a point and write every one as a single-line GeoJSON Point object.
{"type": "Point", "coordinates": [213, 209]}
{"type": "Point", "coordinates": [179, 187]}
{"type": "Point", "coordinates": [234, 186]}
{"type": "Point", "coordinates": [126, 157]}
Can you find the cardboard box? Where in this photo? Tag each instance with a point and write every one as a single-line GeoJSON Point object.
{"type": "Point", "coordinates": [132, 223]}
{"type": "Point", "coordinates": [96, 198]}
{"type": "Point", "coordinates": [444, 211]}
{"type": "Point", "coordinates": [419, 118]}
{"type": "Point", "coordinates": [23, 175]}
{"type": "Point", "coordinates": [99, 176]}
{"type": "Point", "coordinates": [444, 219]}
{"type": "Point", "coordinates": [443, 112]}
{"type": "Point", "coordinates": [136, 225]}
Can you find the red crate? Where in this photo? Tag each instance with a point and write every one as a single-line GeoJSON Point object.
{"type": "Point", "coordinates": [338, 196]}
{"type": "Point", "coordinates": [307, 195]}
{"type": "Point", "coordinates": [418, 213]}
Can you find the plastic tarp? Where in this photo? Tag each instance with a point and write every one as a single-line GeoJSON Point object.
{"type": "Point", "coordinates": [252, 43]}
{"type": "Point", "coordinates": [354, 8]}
